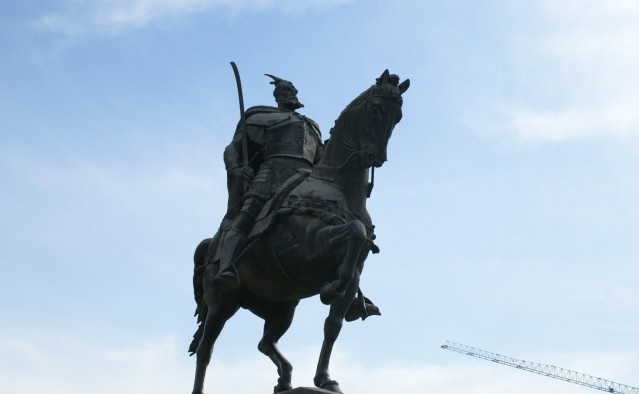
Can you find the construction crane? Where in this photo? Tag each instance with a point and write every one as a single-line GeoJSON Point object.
{"type": "Point", "coordinates": [543, 369]}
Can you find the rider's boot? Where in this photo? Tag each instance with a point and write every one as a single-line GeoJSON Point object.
{"type": "Point", "coordinates": [362, 307]}
{"type": "Point", "coordinates": [234, 244]}
{"type": "Point", "coordinates": [227, 276]}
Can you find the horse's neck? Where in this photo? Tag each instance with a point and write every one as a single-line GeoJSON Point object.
{"type": "Point", "coordinates": [348, 175]}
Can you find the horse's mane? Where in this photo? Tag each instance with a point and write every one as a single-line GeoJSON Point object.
{"type": "Point", "coordinates": [346, 117]}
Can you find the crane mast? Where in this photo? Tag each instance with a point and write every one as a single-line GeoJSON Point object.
{"type": "Point", "coordinates": [543, 369]}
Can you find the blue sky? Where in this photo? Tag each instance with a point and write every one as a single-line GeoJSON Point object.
{"type": "Point", "coordinates": [507, 213]}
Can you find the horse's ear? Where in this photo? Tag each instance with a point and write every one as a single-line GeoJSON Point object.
{"type": "Point", "coordinates": [404, 86]}
{"type": "Point", "coordinates": [383, 79]}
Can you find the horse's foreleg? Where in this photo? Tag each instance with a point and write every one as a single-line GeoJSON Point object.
{"type": "Point", "coordinates": [330, 238]}
{"type": "Point", "coordinates": [221, 307]}
{"type": "Point", "coordinates": [277, 320]}
{"type": "Point", "coordinates": [332, 327]}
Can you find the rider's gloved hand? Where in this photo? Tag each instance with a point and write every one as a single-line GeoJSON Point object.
{"type": "Point", "coordinates": [243, 172]}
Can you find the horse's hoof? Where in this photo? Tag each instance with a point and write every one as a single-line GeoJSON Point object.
{"type": "Point", "coordinates": [361, 310]}
{"type": "Point", "coordinates": [328, 294]}
{"type": "Point", "coordinates": [282, 387]}
{"type": "Point", "coordinates": [332, 386]}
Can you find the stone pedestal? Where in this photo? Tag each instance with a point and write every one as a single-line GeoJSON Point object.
{"type": "Point", "coordinates": [307, 390]}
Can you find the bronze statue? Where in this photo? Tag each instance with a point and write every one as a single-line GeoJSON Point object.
{"type": "Point", "coordinates": [280, 142]}
{"type": "Point", "coordinates": [299, 227]}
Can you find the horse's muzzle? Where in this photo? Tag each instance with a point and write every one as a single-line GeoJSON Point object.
{"type": "Point", "coordinates": [371, 160]}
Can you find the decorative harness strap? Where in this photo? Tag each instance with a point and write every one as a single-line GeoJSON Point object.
{"type": "Point", "coordinates": [330, 173]}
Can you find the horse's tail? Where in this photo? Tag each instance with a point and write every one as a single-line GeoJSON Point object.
{"type": "Point", "coordinates": [198, 292]}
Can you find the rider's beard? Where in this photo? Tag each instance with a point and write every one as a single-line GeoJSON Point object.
{"type": "Point", "coordinates": [291, 103]}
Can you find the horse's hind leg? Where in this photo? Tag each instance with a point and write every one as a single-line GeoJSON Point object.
{"type": "Point", "coordinates": [277, 320]}
{"type": "Point", "coordinates": [332, 327]}
{"type": "Point", "coordinates": [222, 305]}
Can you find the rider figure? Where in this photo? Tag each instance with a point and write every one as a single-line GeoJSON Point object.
{"type": "Point", "coordinates": [279, 143]}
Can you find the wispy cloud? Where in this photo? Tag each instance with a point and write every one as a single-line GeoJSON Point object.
{"type": "Point", "coordinates": [115, 16]}
{"type": "Point", "coordinates": [618, 119]}
{"type": "Point", "coordinates": [585, 64]}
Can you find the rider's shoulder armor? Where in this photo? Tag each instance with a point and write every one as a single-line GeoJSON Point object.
{"type": "Point", "coordinates": [265, 116]}
{"type": "Point", "coordinates": [272, 118]}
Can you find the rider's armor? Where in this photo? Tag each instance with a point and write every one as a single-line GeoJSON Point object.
{"type": "Point", "coordinates": [288, 135]}
{"type": "Point", "coordinates": [287, 141]}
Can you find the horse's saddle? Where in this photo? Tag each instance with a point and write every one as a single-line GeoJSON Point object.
{"type": "Point", "coordinates": [326, 204]}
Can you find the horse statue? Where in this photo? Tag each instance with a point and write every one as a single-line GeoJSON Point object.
{"type": "Point", "coordinates": [311, 238]}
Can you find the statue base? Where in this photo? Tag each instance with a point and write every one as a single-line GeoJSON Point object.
{"type": "Point", "coordinates": [306, 390]}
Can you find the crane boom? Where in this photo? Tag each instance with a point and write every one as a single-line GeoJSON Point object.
{"type": "Point", "coordinates": [543, 369]}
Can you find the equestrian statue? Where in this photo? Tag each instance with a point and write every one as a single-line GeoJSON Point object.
{"type": "Point", "coordinates": [296, 223]}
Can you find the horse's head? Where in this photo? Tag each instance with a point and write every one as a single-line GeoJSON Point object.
{"type": "Point", "coordinates": [372, 116]}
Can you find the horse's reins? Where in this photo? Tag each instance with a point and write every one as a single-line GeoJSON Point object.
{"type": "Point", "coordinates": [330, 173]}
